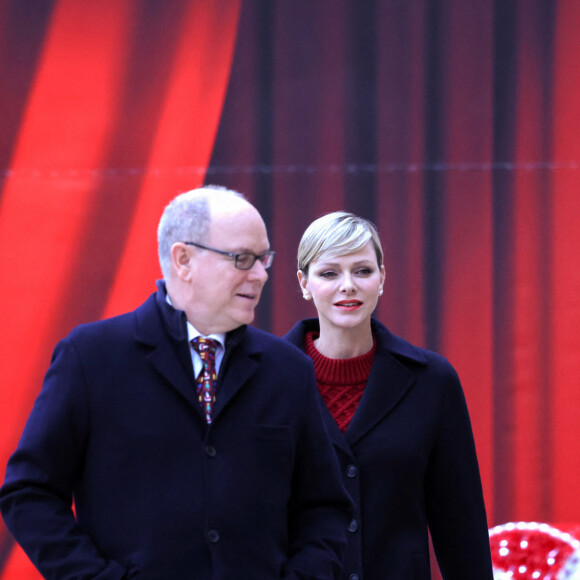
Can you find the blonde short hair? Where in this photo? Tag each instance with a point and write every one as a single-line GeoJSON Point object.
{"type": "Point", "coordinates": [337, 234]}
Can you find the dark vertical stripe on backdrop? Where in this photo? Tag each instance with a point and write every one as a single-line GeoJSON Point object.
{"type": "Point", "coordinates": [433, 220]}
{"type": "Point", "coordinates": [504, 147]}
{"type": "Point", "coordinates": [432, 179]}
{"type": "Point", "coordinates": [24, 25]}
{"type": "Point", "coordinates": [243, 157]}
{"type": "Point", "coordinates": [547, 20]}
{"type": "Point", "coordinates": [264, 114]}
{"type": "Point", "coordinates": [361, 119]}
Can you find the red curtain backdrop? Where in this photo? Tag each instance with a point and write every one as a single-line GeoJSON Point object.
{"type": "Point", "coordinates": [452, 125]}
{"type": "Point", "coordinates": [117, 110]}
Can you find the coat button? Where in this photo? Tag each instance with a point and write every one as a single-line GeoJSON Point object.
{"type": "Point", "coordinates": [354, 577]}
{"type": "Point", "coordinates": [213, 536]}
{"type": "Point", "coordinates": [210, 451]}
{"type": "Point", "coordinates": [353, 526]}
{"type": "Point", "coordinates": [351, 471]}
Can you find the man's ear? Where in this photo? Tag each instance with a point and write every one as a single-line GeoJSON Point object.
{"type": "Point", "coordinates": [181, 260]}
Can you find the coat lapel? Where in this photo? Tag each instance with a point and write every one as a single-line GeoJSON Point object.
{"type": "Point", "coordinates": [239, 364]}
{"type": "Point", "coordinates": [166, 362]}
{"type": "Point", "coordinates": [238, 372]}
{"type": "Point", "coordinates": [390, 380]}
{"type": "Point", "coordinates": [167, 339]}
{"type": "Point", "coordinates": [388, 383]}
{"type": "Point", "coordinates": [336, 435]}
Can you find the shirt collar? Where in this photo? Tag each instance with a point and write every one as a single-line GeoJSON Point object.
{"type": "Point", "coordinates": [192, 332]}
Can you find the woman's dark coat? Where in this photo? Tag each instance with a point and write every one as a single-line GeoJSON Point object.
{"type": "Point", "coordinates": [408, 460]}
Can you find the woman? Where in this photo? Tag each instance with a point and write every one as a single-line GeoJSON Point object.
{"type": "Point", "coordinates": [397, 416]}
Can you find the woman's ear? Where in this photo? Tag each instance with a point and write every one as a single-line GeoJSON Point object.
{"type": "Point", "coordinates": [383, 278]}
{"type": "Point", "coordinates": [303, 282]}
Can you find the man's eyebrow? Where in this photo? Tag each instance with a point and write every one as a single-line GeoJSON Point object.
{"type": "Point", "coordinates": [248, 251]}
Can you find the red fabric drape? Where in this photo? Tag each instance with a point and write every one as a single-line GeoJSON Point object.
{"type": "Point", "coordinates": [121, 114]}
{"type": "Point", "coordinates": [452, 125]}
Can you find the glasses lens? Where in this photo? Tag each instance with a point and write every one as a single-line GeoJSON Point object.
{"type": "Point", "coordinates": [244, 261]}
{"type": "Point", "coordinates": [267, 259]}
{"type": "Point", "coordinates": [247, 261]}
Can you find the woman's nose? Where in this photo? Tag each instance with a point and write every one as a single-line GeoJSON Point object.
{"type": "Point", "coordinates": [347, 286]}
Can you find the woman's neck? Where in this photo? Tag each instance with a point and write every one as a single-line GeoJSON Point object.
{"type": "Point", "coordinates": [334, 342]}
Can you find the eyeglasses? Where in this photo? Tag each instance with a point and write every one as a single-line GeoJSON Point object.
{"type": "Point", "coordinates": [243, 260]}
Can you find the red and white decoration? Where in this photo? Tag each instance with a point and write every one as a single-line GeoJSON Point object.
{"type": "Point", "coordinates": [535, 551]}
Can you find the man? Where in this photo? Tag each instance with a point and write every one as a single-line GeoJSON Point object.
{"type": "Point", "coordinates": [173, 476]}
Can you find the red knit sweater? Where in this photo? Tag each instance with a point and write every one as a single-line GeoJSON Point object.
{"type": "Point", "coordinates": [340, 381]}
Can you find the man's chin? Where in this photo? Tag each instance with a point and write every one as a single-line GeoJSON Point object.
{"type": "Point", "coordinates": [241, 319]}
{"type": "Point", "coordinates": [248, 319]}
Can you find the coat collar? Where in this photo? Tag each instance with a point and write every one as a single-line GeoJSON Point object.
{"type": "Point", "coordinates": [163, 328]}
{"type": "Point", "coordinates": [241, 360]}
{"type": "Point", "coordinates": [390, 380]}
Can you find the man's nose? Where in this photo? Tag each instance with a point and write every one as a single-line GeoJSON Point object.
{"type": "Point", "coordinates": [258, 272]}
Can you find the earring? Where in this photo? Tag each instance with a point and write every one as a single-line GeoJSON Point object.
{"type": "Point", "coordinates": [306, 295]}
{"type": "Point", "coordinates": [380, 292]}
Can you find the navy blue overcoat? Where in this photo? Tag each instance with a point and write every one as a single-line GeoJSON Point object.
{"type": "Point", "coordinates": [408, 460]}
{"type": "Point", "coordinates": [158, 494]}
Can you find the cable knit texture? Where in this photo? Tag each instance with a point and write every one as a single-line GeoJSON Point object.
{"type": "Point", "coordinates": [341, 382]}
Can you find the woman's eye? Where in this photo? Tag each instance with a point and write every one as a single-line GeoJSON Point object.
{"type": "Point", "coordinates": [364, 272]}
{"type": "Point", "coordinates": [327, 274]}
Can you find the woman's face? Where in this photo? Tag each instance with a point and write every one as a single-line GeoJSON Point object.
{"type": "Point", "coordinates": [345, 289]}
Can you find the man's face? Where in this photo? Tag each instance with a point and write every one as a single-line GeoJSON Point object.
{"type": "Point", "coordinates": [220, 296]}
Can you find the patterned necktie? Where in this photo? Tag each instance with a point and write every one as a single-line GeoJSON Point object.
{"type": "Point", "coordinates": [207, 378]}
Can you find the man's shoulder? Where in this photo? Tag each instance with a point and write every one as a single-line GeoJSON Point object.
{"type": "Point", "coordinates": [119, 325]}
{"type": "Point", "coordinates": [278, 358]}
{"type": "Point", "coordinates": [274, 345]}
{"type": "Point", "coordinates": [116, 326]}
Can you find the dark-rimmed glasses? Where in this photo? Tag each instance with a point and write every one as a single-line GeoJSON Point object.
{"type": "Point", "coordinates": [243, 260]}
